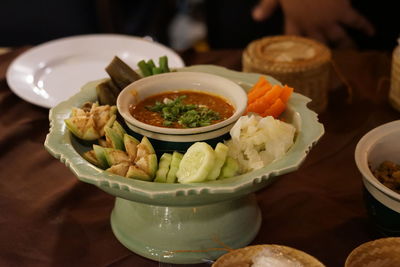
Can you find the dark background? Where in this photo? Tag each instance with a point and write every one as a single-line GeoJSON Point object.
{"type": "Point", "coordinates": [229, 22]}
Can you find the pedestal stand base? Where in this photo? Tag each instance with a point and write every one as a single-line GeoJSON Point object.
{"type": "Point", "coordinates": [159, 233]}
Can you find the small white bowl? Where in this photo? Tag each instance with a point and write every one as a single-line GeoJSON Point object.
{"type": "Point", "coordinates": [179, 81]}
{"type": "Point", "coordinates": [383, 204]}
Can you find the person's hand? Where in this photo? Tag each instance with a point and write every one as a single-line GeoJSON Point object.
{"type": "Point", "coordinates": [324, 20]}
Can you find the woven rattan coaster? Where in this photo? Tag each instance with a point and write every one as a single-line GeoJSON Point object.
{"type": "Point", "coordinates": [384, 252]}
{"type": "Point", "coordinates": [271, 254]}
{"type": "Point", "coordinates": [296, 61]}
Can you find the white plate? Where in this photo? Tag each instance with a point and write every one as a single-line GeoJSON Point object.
{"type": "Point", "coordinates": [52, 72]}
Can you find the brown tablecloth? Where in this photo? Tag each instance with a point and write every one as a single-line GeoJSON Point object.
{"type": "Point", "coordinates": [50, 218]}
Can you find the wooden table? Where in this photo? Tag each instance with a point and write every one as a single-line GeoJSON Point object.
{"type": "Point", "coordinates": [50, 218]}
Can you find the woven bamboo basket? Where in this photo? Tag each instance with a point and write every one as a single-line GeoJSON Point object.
{"type": "Point", "coordinates": [301, 63]}
{"type": "Point", "coordinates": [384, 252]}
{"type": "Point", "coordinates": [244, 257]}
{"type": "Point", "coordinates": [394, 93]}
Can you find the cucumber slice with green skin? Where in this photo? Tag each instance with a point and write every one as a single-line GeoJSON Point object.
{"type": "Point", "coordinates": [113, 110]}
{"type": "Point", "coordinates": [115, 156]}
{"type": "Point", "coordinates": [119, 169]}
{"type": "Point", "coordinates": [100, 156]}
{"type": "Point", "coordinates": [119, 129]}
{"type": "Point", "coordinates": [196, 163]}
{"type": "Point", "coordinates": [91, 157]}
{"type": "Point", "coordinates": [87, 123]}
{"type": "Point", "coordinates": [163, 168]}
{"type": "Point", "coordinates": [176, 160]}
{"type": "Point", "coordinates": [221, 151]}
{"type": "Point", "coordinates": [114, 138]}
{"type": "Point", "coordinates": [82, 127]}
{"type": "Point", "coordinates": [148, 164]}
{"type": "Point", "coordinates": [103, 142]}
{"type": "Point", "coordinates": [144, 148]}
{"type": "Point", "coordinates": [108, 124]}
{"type": "Point", "coordinates": [230, 168]}
{"type": "Point", "coordinates": [130, 144]}
{"type": "Point", "coordinates": [135, 172]}
{"type": "Point", "coordinates": [76, 112]}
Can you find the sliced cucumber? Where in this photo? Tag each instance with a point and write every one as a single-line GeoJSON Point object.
{"type": "Point", "coordinates": [196, 163]}
{"type": "Point", "coordinates": [119, 169]}
{"type": "Point", "coordinates": [119, 129]}
{"type": "Point", "coordinates": [91, 157]}
{"type": "Point", "coordinates": [163, 168]}
{"type": "Point", "coordinates": [100, 156]}
{"type": "Point", "coordinates": [148, 164]}
{"type": "Point", "coordinates": [130, 144]}
{"type": "Point", "coordinates": [115, 156]}
{"type": "Point", "coordinates": [221, 151]}
{"type": "Point", "coordinates": [135, 172]}
{"type": "Point", "coordinates": [109, 123]}
{"type": "Point", "coordinates": [114, 138]}
{"type": "Point", "coordinates": [103, 142]}
{"type": "Point", "coordinates": [144, 148]}
{"type": "Point", "coordinates": [230, 168]}
{"type": "Point", "coordinates": [175, 161]}
{"type": "Point", "coordinates": [82, 127]}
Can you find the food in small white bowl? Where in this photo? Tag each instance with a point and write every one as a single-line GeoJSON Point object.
{"type": "Point", "coordinates": [222, 100]}
{"type": "Point", "coordinates": [380, 146]}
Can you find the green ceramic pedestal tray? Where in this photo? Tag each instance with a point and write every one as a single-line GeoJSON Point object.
{"type": "Point", "coordinates": [167, 234]}
{"type": "Point", "coordinates": [169, 222]}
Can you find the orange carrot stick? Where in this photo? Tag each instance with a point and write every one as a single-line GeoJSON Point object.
{"type": "Point", "coordinates": [259, 89]}
{"type": "Point", "coordinates": [258, 93]}
{"type": "Point", "coordinates": [275, 109]}
{"type": "Point", "coordinates": [286, 93]}
{"type": "Point", "coordinates": [263, 103]}
{"type": "Point", "coordinates": [259, 83]}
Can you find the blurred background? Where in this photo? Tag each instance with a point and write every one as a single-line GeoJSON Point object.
{"type": "Point", "coordinates": [203, 24]}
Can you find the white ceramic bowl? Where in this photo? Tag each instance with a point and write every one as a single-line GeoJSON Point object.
{"type": "Point", "coordinates": [383, 204]}
{"type": "Point", "coordinates": [181, 139]}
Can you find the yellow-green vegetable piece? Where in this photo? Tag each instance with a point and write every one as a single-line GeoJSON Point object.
{"type": "Point", "coordinates": [174, 166]}
{"type": "Point", "coordinates": [144, 148]}
{"type": "Point", "coordinates": [115, 156]}
{"type": "Point", "coordinates": [100, 156]}
{"type": "Point", "coordinates": [148, 164]}
{"type": "Point", "coordinates": [88, 123]}
{"type": "Point", "coordinates": [163, 168]}
{"type": "Point", "coordinates": [82, 127]}
{"type": "Point", "coordinates": [130, 144]}
{"type": "Point", "coordinates": [230, 168]}
{"type": "Point", "coordinates": [114, 138]}
{"type": "Point", "coordinates": [119, 169]}
{"type": "Point", "coordinates": [118, 128]}
{"type": "Point", "coordinates": [135, 172]}
{"type": "Point", "coordinates": [221, 151]}
{"type": "Point", "coordinates": [91, 157]}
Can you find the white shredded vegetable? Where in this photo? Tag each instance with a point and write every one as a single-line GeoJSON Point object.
{"type": "Point", "coordinates": [274, 259]}
{"type": "Point", "coordinates": [258, 141]}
